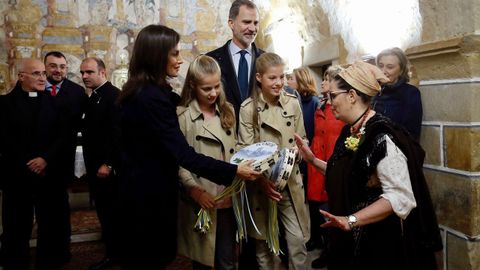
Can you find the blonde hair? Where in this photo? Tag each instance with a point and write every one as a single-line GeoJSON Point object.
{"type": "Point", "coordinates": [263, 62]}
{"type": "Point", "coordinates": [305, 81]}
{"type": "Point", "coordinates": [202, 66]}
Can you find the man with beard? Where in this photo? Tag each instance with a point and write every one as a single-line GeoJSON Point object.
{"type": "Point", "coordinates": [30, 142]}
{"type": "Point", "coordinates": [237, 57]}
{"type": "Point", "coordinates": [100, 151]}
{"type": "Point", "coordinates": [69, 100]}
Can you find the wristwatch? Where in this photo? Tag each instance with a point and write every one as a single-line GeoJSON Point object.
{"type": "Point", "coordinates": [352, 221]}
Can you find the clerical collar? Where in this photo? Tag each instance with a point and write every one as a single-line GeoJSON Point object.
{"type": "Point", "coordinates": [95, 90]}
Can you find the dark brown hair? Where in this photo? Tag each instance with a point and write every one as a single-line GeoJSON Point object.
{"type": "Point", "coordinates": [148, 64]}
{"type": "Point", "coordinates": [56, 54]}
{"type": "Point", "coordinates": [235, 8]}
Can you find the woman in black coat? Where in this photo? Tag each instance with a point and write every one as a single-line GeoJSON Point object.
{"type": "Point", "coordinates": [153, 147]}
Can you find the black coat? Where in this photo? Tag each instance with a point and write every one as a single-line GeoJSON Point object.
{"type": "Point", "coordinates": [70, 102]}
{"type": "Point", "coordinates": [100, 134]}
{"type": "Point", "coordinates": [29, 129]}
{"type": "Point", "coordinates": [402, 103]}
{"type": "Point", "coordinates": [229, 76]}
{"type": "Point", "coordinates": [153, 147]}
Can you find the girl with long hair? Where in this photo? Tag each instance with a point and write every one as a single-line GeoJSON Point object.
{"type": "Point", "coordinates": [271, 114]}
{"type": "Point", "coordinates": [208, 122]}
{"type": "Point", "coordinates": [152, 148]}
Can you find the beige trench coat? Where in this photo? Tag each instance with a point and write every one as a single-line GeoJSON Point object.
{"type": "Point", "coordinates": [277, 124]}
{"type": "Point", "coordinates": [210, 139]}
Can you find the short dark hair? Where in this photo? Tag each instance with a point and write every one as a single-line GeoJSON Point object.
{"type": "Point", "coordinates": [54, 54]}
{"type": "Point", "coordinates": [235, 8]}
{"type": "Point", "coordinates": [100, 63]}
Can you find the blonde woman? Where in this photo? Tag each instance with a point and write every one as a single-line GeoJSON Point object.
{"type": "Point", "coordinates": [208, 123]}
{"type": "Point", "coordinates": [271, 114]}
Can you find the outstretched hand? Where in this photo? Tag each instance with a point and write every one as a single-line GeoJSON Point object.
{"type": "Point", "coordinates": [246, 172]}
{"type": "Point", "coordinates": [304, 150]}
{"type": "Point", "coordinates": [335, 221]}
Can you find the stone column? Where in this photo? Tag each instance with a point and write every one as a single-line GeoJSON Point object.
{"type": "Point", "coordinates": [449, 73]}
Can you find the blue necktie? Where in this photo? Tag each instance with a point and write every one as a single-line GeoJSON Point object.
{"type": "Point", "coordinates": [243, 75]}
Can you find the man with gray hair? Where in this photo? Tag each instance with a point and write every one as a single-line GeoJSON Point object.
{"type": "Point", "coordinates": [30, 144]}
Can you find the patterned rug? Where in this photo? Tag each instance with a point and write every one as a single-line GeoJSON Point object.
{"type": "Point", "coordinates": [83, 222]}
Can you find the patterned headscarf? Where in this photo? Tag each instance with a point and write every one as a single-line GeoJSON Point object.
{"type": "Point", "coordinates": [364, 77]}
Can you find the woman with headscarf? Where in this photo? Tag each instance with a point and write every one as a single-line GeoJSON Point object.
{"type": "Point", "coordinates": [380, 210]}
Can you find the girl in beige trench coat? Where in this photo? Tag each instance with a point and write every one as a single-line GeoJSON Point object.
{"type": "Point", "coordinates": [271, 114]}
{"type": "Point", "coordinates": [208, 123]}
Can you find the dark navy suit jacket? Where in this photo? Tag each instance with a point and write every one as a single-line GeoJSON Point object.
{"type": "Point", "coordinates": [402, 103]}
{"type": "Point", "coordinates": [229, 76]}
{"type": "Point", "coordinates": [152, 148]}
{"type": "Point", "coordinates": [70, 102]}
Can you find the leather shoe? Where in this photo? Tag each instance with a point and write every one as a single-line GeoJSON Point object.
{"type": "Point", "coordinates": [102, 264]}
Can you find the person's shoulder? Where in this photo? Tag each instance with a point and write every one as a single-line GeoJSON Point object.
{"type": "Point", "coordinates": [112, 88]}
{"type": "Point", "coordinates": [257, 50]}
{"type": "Point", "coordinates": [246, 102]}
{"type": "Point", "coordinates": [181, 110]}
{"type": "Point", "coordinates": [68, 84]}
{"type": "Point", "coordinates": [218, 52]}
{"type": "Point", "coordinates": [290, 95]}
{"type": "Point", "coordinates": [408, 88]}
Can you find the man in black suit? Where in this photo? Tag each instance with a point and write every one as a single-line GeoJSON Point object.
{"type": "Point", "coordinates": [70, 100]}
{"type": "Point", "coordinates": [100, 151]}
{"type": "Point", "coordinates": [30, 143]}
{"type": "Point", "coordinates": [243, 20]}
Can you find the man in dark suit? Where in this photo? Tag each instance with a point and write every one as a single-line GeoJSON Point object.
{"type": "Point", "coordinates": [100, 151]}
{"type": "Point", "coordinates": [243, 20]}
{"type": "Point", "coordinates": [70, 100]}
{"type": "Point", "coordinates": [30, 143]}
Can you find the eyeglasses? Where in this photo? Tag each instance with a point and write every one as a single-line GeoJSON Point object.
{"type": "Point", "coordinates": [333, 94]}
{"type": "Point", "coordinates": [36, 74]}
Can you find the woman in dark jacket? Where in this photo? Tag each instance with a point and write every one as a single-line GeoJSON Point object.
{"type": "Point", "coordinates": [399, 100]}
{"type": "Point", "coordinates": [153, 147]}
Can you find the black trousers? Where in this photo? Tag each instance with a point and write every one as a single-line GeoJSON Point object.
{"type": "Point", "coordinates": [104, 193]}
{"type": "Point", "coordinates": [26, 196]}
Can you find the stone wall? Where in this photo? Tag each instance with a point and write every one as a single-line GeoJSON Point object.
{"type": "Point", "coordinates": [103, 28]}
{"type": "Point", "coordinates": [449, 73]}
